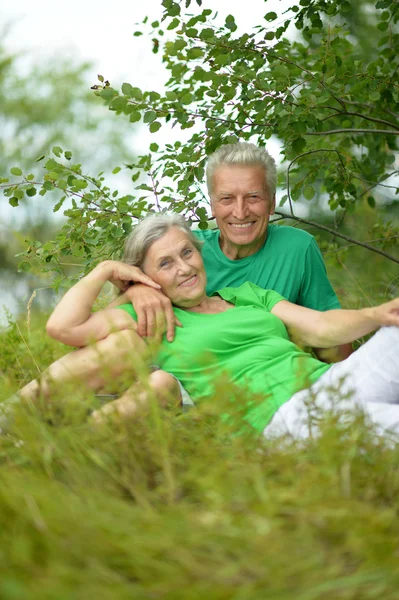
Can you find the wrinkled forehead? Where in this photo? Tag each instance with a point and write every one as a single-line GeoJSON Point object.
{"type": "Point", "coordinates": [243, 177]}
{"type": "Point", "coordinates": [170, 243]}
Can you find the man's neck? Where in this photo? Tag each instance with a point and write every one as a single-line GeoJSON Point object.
{"type": "Point", "coordinates": [234, 252]}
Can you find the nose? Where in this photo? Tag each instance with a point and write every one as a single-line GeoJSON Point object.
{"type": "Point", "coordinates": [240, 209]}
{"type": "Point", "coordinates": [183, 267]}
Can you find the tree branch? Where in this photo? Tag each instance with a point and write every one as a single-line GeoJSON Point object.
{"type": "Point", "coordinates": [356, 131]}
{"type": "Point", "coordinates": [355, 114]}
{"type": "Point", "coordinates": [340, 235]}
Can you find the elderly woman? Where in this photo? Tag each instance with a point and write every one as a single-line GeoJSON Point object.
{"type": "Point", "coordinates": [241, 331]}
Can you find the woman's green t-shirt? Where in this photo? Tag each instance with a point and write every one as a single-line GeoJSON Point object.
{"type": "Point", "coordinates": [248, 343]}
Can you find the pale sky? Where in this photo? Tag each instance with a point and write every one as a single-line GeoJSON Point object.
{"type": "Point", "coordinates": [101, 32]}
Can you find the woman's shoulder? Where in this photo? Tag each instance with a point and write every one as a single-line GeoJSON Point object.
{"type": "Point", "coordinates": [250, 293]}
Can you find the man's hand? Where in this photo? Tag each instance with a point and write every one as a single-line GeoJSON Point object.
{"type": "Point", "coordinates": [154, 310]}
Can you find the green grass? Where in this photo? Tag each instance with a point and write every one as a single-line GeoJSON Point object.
{"type": "Point", "coordinates": [177, 507]}
{"type": "Point", "coordinates": [174, 506]}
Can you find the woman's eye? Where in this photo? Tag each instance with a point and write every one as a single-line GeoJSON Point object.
{"type": "Point", "coordinates": [165, 263]}
{"type": "Point", "coordinates": [187, 251]}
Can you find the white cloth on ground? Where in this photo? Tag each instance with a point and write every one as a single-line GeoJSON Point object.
{"type": "Point", "coordinates": [368, 380]}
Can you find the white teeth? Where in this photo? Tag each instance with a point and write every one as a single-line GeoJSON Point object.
{"type": "Point", "coordinates": [241, 225]}
{"type": "Point", "coordinates": [188, 280]}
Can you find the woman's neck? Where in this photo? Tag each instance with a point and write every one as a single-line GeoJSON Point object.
{"type": "Point", "coordinates": [211, 305]}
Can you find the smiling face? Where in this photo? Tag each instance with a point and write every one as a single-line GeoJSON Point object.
{"type": "Point", "coordinates": [175, 263]}
{"type": "Point", "coordinates": [242, 205]}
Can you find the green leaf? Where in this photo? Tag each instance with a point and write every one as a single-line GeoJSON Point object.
{"type": "Point", "coordinates": [127, 89]}
{"type": "Point", "coordinates": [68, 155]}
{"type": "Point", "coordinates": [309, 192]}
{"type": "Point", "coordinates": [187, 98]}
{"type": "Point", "coordinates": [298, 145]}
{"type": "Point", "coordinates": [57, 151]}
{"type": "Point", "coordinates": [155, 126]}
{"type": "Point", "coordinates": [13, 201]}
{"type": "Point", "coordinates": [62, 184]}
{"type": "Point", "coordinates": [270, 16]}
{"type": "Point", "coordinates": [16, 171]}
{"type": "Point", "coordinates": [374, 96]}
{"type": "Point", "coordinates": [154, 147]}
{"type": "Point", "coordinates": [135, 116]}
{"type": "Point", "coordinates": [371, 201]}
{"type": "Point", "coordinates": [116, 170]}
{"type": "Point", "coordinates": [149, 116]}
{"type": "Point", "coordinates": [31, 191]}
{"type": "Point", "coordinates": [173, 24]}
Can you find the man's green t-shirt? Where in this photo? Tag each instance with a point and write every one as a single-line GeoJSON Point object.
{"type": "Point", "coordinates": [289, 262]}
{"type": "Point", "coordinates": [248, 343]}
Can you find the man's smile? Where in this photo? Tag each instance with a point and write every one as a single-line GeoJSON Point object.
{"type": "Point", "coordinates": [242, 225]}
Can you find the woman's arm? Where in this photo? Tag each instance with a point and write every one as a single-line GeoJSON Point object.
{"type": "Point", "coordinates": [72, 321]}
{"type": "Point", "coordinates": [334, 327]}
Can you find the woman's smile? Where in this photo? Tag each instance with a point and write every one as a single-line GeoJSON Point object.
{"type": "Point", "coordinates": [190, 282]}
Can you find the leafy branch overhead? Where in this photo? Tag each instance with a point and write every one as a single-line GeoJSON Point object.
{"type": "Point", "coordinates": [330, 99]}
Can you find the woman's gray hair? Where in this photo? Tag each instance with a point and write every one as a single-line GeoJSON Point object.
{"type": "Point", "coordinates": [243, 154]}
{"type": "Point", "coordinates": [151, 229]}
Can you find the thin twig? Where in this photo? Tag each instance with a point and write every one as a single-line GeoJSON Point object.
{"type": "Point", "coordinates": [355, 131]}
{"type": "Point", "coordinates": [386, 239]}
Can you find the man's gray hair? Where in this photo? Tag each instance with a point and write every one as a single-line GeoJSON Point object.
{"type": "Point", "coordinates": [242, 154]}
{"type": "Point", "coordinates": [151, 229]}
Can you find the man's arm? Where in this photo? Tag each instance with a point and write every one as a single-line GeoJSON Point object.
{"type": "Point", "coordinates": [335, 354]}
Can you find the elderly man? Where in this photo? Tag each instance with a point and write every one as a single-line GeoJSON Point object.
{"type": "Point", "coordinates": [241, 180]}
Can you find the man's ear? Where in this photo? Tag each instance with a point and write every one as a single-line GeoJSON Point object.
{"type": "Point", "coordinates": [273, 205]}
{"type": "Point", "coordinates": [212, 209]}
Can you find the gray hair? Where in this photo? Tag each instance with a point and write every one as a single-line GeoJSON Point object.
{"type": "Point", "coordinates": [242, 153]}
{"type": "Point", "coordinates": [151, 229]}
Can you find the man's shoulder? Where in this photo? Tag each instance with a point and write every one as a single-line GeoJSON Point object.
{"type": "Point", "coordinates": [281, 233]}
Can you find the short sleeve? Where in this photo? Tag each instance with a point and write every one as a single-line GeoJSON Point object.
{"type": "Point", "coordinates": [316, 290]}
{"type": "Point", "coordinates": [269, 298]}
{"type": "Point", "coordinates": [250, 294]}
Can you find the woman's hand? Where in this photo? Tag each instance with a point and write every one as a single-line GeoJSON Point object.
{"type": "Point", "coordinates": [123, 275]}
{"type": "Point", "coordinates": [338, 326]}
{"type": "Point", "coordinates": [385, 314]}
